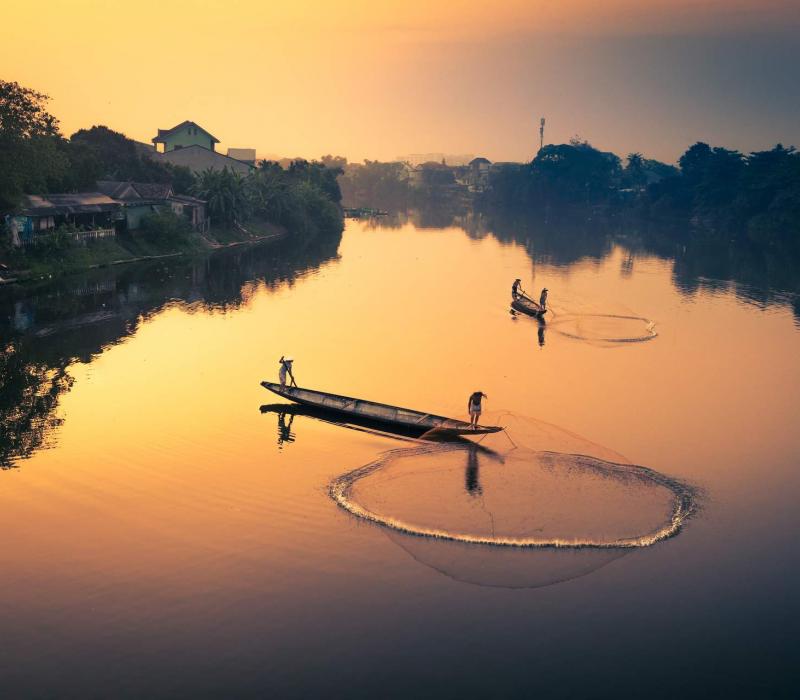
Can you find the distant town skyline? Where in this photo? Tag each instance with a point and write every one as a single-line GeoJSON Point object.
{"type": "Point", "coordinates": [359, 81]}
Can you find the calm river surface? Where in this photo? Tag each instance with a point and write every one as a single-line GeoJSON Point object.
{"type": "Point", "coordinates": [163, 537]}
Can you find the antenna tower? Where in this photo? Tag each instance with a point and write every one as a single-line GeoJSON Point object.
{"type": "Point", "coordinates": [541, 133]}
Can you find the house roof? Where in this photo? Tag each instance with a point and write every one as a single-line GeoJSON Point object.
{"type": "Point", "coordinates": [77, 203]}
{"type": "Point", "coordinates": [186, 199]}
{"type": "Point", "coordinates": [116, 189]}
{"type": "Point", "coordinates": [153, 190]}
{"type": "Point", "coordinates": [162, 133]}
{"type": "Point", "coordinates": [127, 191]}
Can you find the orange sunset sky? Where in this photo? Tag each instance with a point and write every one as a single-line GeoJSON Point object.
{"type": "Point", "coordinates": [380, 79]}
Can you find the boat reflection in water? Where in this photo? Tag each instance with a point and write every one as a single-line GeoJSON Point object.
{"type": "Point", "coordinates": [282, 410]}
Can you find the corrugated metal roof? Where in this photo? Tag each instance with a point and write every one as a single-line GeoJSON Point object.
{"type": "Point", "coordinates": [77, 203]}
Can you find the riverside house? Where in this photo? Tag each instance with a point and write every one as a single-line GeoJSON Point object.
{"type": "Point", "coordinates": [139, 199]}
{"type": "Point", "coordinates": [115, 207]}
{"type": "Point", "coordinates": [95, 214]}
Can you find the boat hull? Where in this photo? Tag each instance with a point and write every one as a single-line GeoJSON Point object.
{"type": "Point", "coordinates": [528, 306]}
{"type": "Point", "coordinates": [378, 412]}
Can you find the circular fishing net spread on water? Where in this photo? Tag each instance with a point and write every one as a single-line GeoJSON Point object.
{"type": "Point", "coordinates": [547, 489]}
{"type": "Point", "coordinates": [604, 328]}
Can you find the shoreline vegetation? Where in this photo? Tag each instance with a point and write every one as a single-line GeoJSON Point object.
{"type": "Point", "coordinates": [299, 202]}
{"type": "Point", "coordinates": [125, 249]}
{"type": "Point", "coordinates": [713, 194]}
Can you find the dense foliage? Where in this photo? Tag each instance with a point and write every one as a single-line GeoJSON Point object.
{"type": "Point", "coordinates": [725, 193]}
{"type": "Point", "coordinates": [376, 184]}
{"type": "Point", "coordinates": [304, 197]}
{"type": "Point", "coordinates": [31, 154]}
{"type": "Point", "coordinates": [36, 159]}
{"type": "Point", "coordinates": [164, 227]}
{"type": "Point", "coordinates": [101, 153]}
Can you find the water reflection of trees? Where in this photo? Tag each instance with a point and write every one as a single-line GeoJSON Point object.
{"type": "Point", "coordinates": [44, 328]}
{"type": "Point", "coordinates": [29, 394]}
{"type": "Point", "coordinates": [753, 273]}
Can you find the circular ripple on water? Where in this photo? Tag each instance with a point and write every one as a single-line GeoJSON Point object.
{"type": "Point", "coordinates": [604, 328]}
{"type": "Point", "coordinates": [515, 496]}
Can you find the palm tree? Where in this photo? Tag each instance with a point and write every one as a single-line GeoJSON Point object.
{"type": "Point", "coordinates": [225, 192]}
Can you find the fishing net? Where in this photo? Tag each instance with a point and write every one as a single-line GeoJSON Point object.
{"type": "Point", "coordinates": [604, 328]}
{"type": "Point", "coordinates": [504, 567]}
{"type": "Point", "coordinates": [533, 486]}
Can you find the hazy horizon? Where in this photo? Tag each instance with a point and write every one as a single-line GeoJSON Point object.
{"type": "Point", "coordinates": [365, 82]}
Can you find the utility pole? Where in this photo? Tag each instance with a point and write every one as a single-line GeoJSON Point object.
{"type": "Point", "coordinates": [541, 133]}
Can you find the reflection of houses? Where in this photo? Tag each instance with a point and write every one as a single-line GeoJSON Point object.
{"type": "Point", "coordinates": [191, 146]}
{"type": "Point", "coordinates": [94, 212]}
{"type": "Point", "coordinates": [140, 199]}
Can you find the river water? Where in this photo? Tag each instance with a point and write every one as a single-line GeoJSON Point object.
{"type": "Point", "coordinates": [165, 537]}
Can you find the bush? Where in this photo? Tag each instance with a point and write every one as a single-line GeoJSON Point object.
{"type": "Point", "coordinates": [164, 227]}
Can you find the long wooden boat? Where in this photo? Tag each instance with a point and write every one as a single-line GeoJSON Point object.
{"type": "Point", "coordinates": [378, 412]}
{"type": "Point", "coordinates": [526, 305]}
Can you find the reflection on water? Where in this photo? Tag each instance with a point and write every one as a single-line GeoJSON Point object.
{"type": "Point", "coordinates": [168, 522]}
{"type": "Point", "coordinates": [354, 422]}
{"type": "Point", "coordinates": [472, 473]}
{"type": "Point", "coordinates": [752, 273]}
{"type": "Point", "coordinates": [46, 327]}
{"type": "Point", "coordinates": [285, 434]}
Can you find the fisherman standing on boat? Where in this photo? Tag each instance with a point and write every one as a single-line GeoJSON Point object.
{"type": "Point", "coordinates": [543, 299]}
{"type": "Point", "coordinates": [474, 405]}
{"type": "Point", "coordinates": [286, 368]}
{"type": "Point", "coordinates": [516, 289]}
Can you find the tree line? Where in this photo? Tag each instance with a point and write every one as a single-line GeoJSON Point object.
{"type": "Point", "coordinates": [37, 159]}
{"type": "Point", "coordinates": [713, 192]}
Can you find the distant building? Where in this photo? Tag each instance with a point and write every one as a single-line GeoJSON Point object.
{"type": "Point", "coordinates": [198, 159]}
{"type": "Point", "coordinates": [477, 174]}
{"type": "Point", "coordinates": [480, 164]}
{"type": "Point", "coordinates": [246, 155]}
{"type": "Point", "coordinates": [184, 135]}
{"type": "Point", "coordinates": [447, 158]}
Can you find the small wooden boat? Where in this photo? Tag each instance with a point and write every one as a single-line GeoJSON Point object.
{"type": "Point", "coordinates": [378, 412]}
{"type": "Point", "coordinates": [526, 305]}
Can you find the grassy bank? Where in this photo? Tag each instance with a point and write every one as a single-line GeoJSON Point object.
{"type": "Point", "coordinates": [58, 257]}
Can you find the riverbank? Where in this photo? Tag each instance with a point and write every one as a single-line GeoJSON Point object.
{"type": "Point", "coordinates": [40, 262]}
